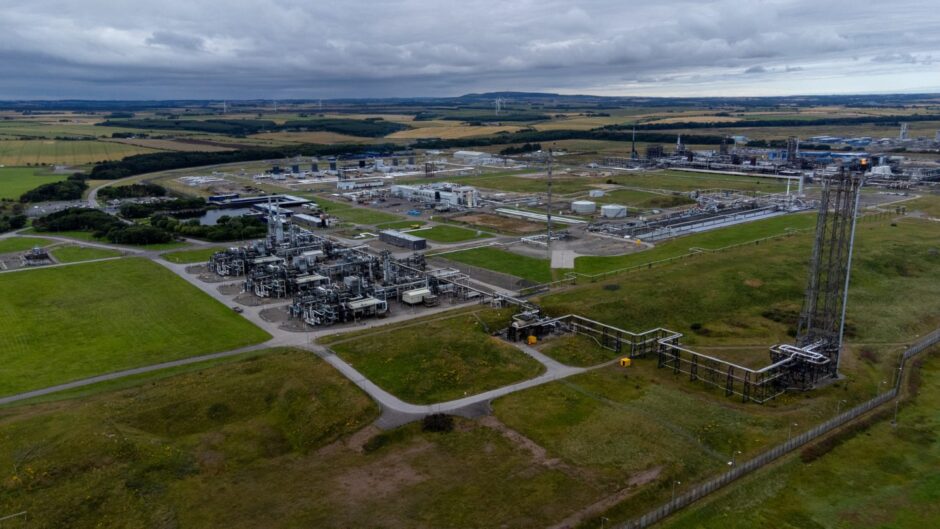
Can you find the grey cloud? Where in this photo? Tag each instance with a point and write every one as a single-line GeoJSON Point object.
{"type": "Point", "coordinates": [307, 48]}
{"type": "Point", "coordinates": [175, 40]}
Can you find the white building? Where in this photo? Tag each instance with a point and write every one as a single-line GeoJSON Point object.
{"type": "Point", "coordinates": [440, 192]}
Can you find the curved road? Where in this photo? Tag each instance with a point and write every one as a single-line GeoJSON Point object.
{"type": "Point", "coordinates": [395, 411]}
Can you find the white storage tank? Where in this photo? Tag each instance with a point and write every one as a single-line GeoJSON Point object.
{"type": "Point", "coordinates": [613, 211]}
{"type": "Point", "coordinates": [583, 207]}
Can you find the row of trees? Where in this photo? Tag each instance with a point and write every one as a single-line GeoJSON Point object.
{"type": "Point", "coordinates": [893, 120]}
{"type": "Point", "coordinates": [101, 225]}
{"type": "Point", "coordinates": [70, 189]}
{"type": "Point", "coordinates": [164, 161]}
{"type": "Point", "coordinates": [373, 128]}
{"type": "Point", "coordinates": [132, 191]}
{"type": "Point", "coordinates": [226, 228]}
{"type": "Point", "coordinates": [188, 207]}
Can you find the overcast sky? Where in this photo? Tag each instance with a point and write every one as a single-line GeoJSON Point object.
{"type": "Point", "coordinates": [214, 49]}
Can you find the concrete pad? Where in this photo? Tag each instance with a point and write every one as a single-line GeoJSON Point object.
{"type": "Point", "coordinates": [563, 258]}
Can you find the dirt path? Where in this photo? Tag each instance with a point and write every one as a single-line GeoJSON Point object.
{"type": "Point", "coordinates": [608, 502]}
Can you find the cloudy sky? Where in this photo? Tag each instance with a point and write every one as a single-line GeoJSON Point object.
{"type": "Point", "coordinates": [116, 49]}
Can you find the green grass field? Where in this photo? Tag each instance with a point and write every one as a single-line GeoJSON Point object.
{"type": "Point", "coordinates": [576, 350]}
{"type": "Point", "coordinates": [523, 266]}
{"type": "Point", "coordinates": [73, 254]}
{"type": "Point", "coordinates": [710, 240]}
{"type": "Point", "coordinates": [14, 181]}
{"type": "Point", "coordinates": [59, 152]}
{"type": "Point", "coordinates": [357, 215]}
{"type": "Point", "coordinates": [446, 234]}
{"type": "Point", "coordinates": [230, 444]}
{"type": "Point", "coordinates": [399, 224]}
{"type": "Point", "coordinates": [690, 181]}
{"type": "Point", "coordinates": [88, 236]}
{"type": "Point", "coordinates": [171, 448]}
{"type": "Point", "coordinates": [883, 477]}
{"type": "Point", "coordinates": [752, 294]}
{"type": "Point", "coordinates": [928, 204]}
{"type": "Point", "coordinates": [107, 316]}
{"type": "Point", "coordinates": [444, 360]}
{"type": "Point", "coordinates": [200, 255]}
{"type": "Point", "coordinates": [642, 199]}
{"type": "Point", "coordinates": [21, 244]}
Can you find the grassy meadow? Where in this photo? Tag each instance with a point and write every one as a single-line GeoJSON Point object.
{"type": "Point", "coordinates": [447, 359]}
{"type": "Point", "coordinates": [61, 324]}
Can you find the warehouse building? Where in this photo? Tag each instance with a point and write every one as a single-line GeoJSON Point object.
{"type": "Point", "coordinates": [405, 240]}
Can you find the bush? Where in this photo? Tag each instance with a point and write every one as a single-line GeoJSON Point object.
{"type": "Point", "coordinates": [438, 422]}
{"type": "Point", "coordinates": [71, 189]}
{"type": "Point", "coordinates": [132, 191]}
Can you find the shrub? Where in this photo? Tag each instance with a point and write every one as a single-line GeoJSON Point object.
{"type": "Point", "coordinates": [438, 422]}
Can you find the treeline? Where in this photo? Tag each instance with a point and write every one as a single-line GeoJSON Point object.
{"type": "Point", "coordinates": [188, 207]}
{"type": "Point", "coordinates": [530, 136]}
{"type": "Point", "coordinates": [164, 161]}
{"type": "Point", "coordinates": [12, 222]}
{"type": "Point", "coordinates": [69, 189]}
{"type": "Point", "coordinates": [101, 225]}
{"type": "Point", "coordinates": [522, 149]}
{"type": "Point", "coordinates": [373, 128]}
{"type": "Point", "coordinates": [132, 191]}
{"type": "Point", "coordinates": [228, 127]}
{"type": "Point", "coordinates": [225, 229]}
{"type": "Point", "coordinates": [370, 128]}
{"type": "Point", "coordinates": [892, 120]}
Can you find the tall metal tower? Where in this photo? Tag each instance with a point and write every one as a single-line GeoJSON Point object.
{"type": "Point", "coordinates": [548, 205]}
{"type": "Point", "coordinates": [822, 320]}
{"type": "Point", "coordinates": [633, 154]}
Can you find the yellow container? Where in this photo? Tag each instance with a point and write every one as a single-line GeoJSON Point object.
{"type": "Point", "coordinates": [625, 362]}
{"type": "Point", "coordinates": [532, 340]}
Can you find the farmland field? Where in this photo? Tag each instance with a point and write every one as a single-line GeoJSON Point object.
{"type": "Point", "coordinates": [109, 316]}
{"type": "Point", "coordinates": [14, 181]}
{"type": "Point", "coordinates": [61, 152]}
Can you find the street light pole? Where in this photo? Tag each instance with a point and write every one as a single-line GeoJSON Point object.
{"type": "Point", "coordinates": [790, 429]}
{"type": "Point", "coordinates": [839, 406]}
{"type": "Point", "coordinates": [674, 483]}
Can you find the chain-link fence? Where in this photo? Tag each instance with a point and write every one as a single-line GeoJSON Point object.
{"type": "Point", "coordinates": [793, 443]}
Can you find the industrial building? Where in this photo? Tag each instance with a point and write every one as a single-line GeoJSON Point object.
{"type": "Point", "coordinates": [439, 193]}
{"type": "Point", "coordinates": [404, 240]}
{"type": "Point", "coordinates": [330, 283]}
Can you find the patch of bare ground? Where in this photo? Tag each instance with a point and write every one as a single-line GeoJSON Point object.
{"type": "Point", "coordinates": [538, 452]}
{"type": "Point", "coordinates": [381, 478]}
{"type": "Point", "coordinates": [230, 289]}
{"type": "Point", "coordinates": [250, 300]}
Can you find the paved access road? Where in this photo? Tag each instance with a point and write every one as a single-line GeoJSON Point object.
{"type": "Point", "coordinates": [395, 411]}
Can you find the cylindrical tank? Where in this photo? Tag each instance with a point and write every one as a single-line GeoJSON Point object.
{"type": "Point", "coordinates": [613, 211]}
{"type": "Point", "coordinates": [583, 207]}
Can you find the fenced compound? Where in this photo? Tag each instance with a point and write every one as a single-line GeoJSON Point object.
{"type": "Point", "coordinates": [746, 467]}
